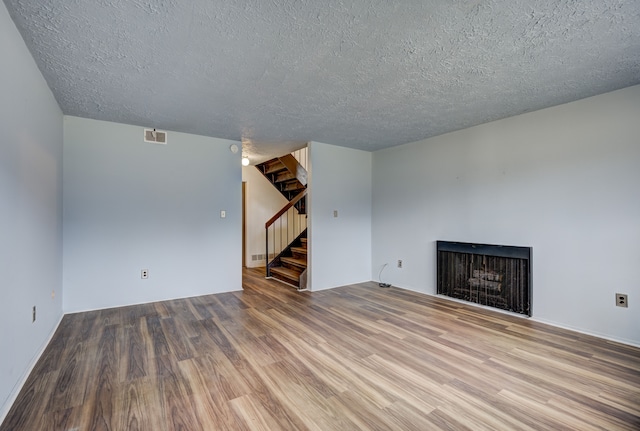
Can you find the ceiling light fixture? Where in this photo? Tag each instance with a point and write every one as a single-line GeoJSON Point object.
{"type": "Point", "coordinates": [245, 161]}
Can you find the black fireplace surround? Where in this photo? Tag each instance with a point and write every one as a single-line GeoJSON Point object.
{"type": "Point", "coordinates": [493, 275]}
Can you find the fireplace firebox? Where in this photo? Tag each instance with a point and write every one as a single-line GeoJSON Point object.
{"type": "Point", "coordinates": [493, 275]}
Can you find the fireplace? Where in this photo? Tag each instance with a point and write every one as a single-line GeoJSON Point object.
{"type": "Point", "coordinates": [493, 275]}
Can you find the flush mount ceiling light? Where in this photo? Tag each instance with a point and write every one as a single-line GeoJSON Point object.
{"type": "Point", "coordinates": [245, 161]}
{"type": "Point", "coordinates": [233, 148]}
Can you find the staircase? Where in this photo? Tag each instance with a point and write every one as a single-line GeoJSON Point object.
{"type": "Point", "coordinates": [287, 176]}
{"type": "Point", "coordinates": [286, 231]}
{"type": "Point", "coordinates": [291, 266]}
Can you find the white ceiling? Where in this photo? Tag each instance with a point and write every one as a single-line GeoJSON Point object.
{"type": "Point", "coordinates": [360, 74]}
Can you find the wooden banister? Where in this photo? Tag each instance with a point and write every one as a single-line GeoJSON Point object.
{"type": "Point", "coordinates": [286, 208]}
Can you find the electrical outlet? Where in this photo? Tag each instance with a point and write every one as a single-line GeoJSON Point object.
{"type": "Point", "coordinates": [335, 213]}
{"type": "Point", "coordinates": [399, 263]}
{"type": "Point", "coordinates": [223, 214]}
{"type": "Point", "coordinates": [34, 314]}
{"type": "Point", "coordinates": [144, 274]}
{"type": "Point", "coordinates": [621, 300]}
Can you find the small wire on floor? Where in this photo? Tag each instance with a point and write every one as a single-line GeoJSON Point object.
{"type": "Point", "coordinates": [380, 282]}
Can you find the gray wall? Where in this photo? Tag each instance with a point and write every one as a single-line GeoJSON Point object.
{"type": "Point", "coordinates": [30, 211]}
{"type": "Point", "coordinates": [131, 205]}
{"type": "Point", "coordinates": [564, 180]}
{"type": "Point", "coordinates": [340, 248]}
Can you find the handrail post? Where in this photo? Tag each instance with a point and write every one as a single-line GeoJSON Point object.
{"type": "Point", "coordinates": [266, 256]}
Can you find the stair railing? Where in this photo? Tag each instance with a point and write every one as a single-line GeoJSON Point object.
{"type": "Point", "coordinates": [283, 228]}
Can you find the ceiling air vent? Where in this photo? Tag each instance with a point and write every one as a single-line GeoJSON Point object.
{"type": "Point", "coordinates": [155, 136]}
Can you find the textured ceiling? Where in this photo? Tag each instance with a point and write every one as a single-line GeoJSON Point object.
{"type": "Point", "coordinates": [360, 74]}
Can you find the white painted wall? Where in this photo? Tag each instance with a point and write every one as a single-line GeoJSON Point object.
{"type": "Point", "coordinates": [263, 201]}
{"type": "Point", "coordinates": [564, 180]}
{"type": "Point", "coordinates": [30, 212]}
{"type": "Point", "coordinates": [339, 248]}
{"type": "Point", "coordinates": [130, 205]}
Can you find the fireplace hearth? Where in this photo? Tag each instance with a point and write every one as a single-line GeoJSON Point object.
{"type": "Point", "coordinates": [497, 276]}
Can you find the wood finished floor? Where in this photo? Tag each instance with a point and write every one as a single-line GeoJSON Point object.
{"type": "Point", "coordinates": [355, 357]}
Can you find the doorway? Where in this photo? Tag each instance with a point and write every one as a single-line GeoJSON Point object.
{"type": "Point", "coordinates": [244, 224]}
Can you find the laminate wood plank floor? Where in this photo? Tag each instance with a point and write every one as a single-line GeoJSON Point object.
{"type": "Point", "coordinates": [352, 358]}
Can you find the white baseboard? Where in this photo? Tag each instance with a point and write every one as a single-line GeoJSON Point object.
{"type": "Point", "coordinates": [592, 334]}
{"type": "Point", "coordinates": [4, 411]}
{"type": "Point", "coordinates": [533, 318]}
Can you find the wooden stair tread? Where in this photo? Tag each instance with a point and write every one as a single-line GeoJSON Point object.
{"type": "Point", "coordinates": [273, 166]}
{"type": "Point", "coordinates": [301, 250]}
{"type": "Point", "coordinates": [294, 261]}
{"type": "Point", "coordinates": [289, 273]}
{"type": "Point", "coordinates": [284, 176]}
{"type": "Point", "coordinates": [293, 185]}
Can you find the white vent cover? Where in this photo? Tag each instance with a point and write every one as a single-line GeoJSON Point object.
{"type": "Point", "coordinates": [155, 136]}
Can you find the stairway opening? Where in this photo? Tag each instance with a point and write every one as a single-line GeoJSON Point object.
{"type": "Point", "coordinates": [244, 224]}
{"type": "Point", "coordinates": [286, 230]}
{"type": "Point", "coordinates": [275, 219]}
